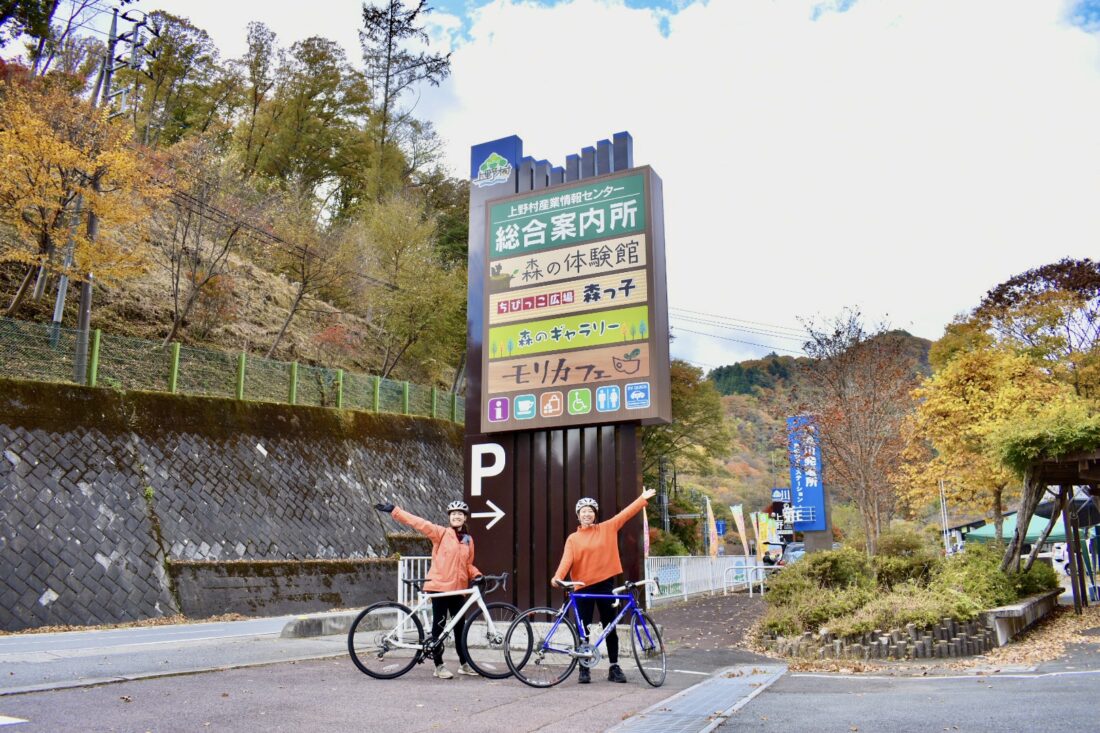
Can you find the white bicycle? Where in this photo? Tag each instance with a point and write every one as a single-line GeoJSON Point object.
{"type": "Point", "coordinates": [387, 639]}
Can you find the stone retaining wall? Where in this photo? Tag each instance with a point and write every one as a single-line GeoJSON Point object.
{"type": "Point", "coordinates": [272, 588]}
{"type": "Point", "coordinates": [101, 490]}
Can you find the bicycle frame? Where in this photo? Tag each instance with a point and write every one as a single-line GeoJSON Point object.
{"type": "Point", "coordinates": [424, 604]}
{"type": "Point", "coordinates": [630, 606]}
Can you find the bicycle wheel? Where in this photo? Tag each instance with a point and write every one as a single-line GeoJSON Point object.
{"type": "Point", "coordinates": [538, 653]}
{"type": "Point", "coordinates": [485, 648]}
{"type": "Point", "coordinates": [374, 635]}
{"type": "Point", "coordinates": [649, 649]}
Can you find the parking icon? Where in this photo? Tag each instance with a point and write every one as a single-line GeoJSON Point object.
{"type": "Point", "coordinates": [637, 395]}
{"type": "Point", "coordinates": [524, 407]}
{"type": "Point", "coordinates": [607, 398]}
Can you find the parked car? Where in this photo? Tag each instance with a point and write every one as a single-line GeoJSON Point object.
{"type": "Point", "coordinates": [792, 552]}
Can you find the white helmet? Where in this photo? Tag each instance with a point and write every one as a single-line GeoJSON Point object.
{"type": "Point", "coordinates": [587, 501]}
{"type": "Point", "coordinates": [458, 506]}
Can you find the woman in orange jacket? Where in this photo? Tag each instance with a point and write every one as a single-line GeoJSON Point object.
{"type": "Point", "coordinates": [452, 568]}
{"type": "Point", "coordinates": [591, 557]}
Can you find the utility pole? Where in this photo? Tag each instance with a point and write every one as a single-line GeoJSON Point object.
{"type": "Point", "coordinates": [662, 472]}
{"type": "Point", "coordinates": [943, 518]}
{"type": "Point", "coordinates": [104, 94]}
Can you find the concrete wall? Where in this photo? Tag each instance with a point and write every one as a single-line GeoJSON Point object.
{"type": "Point", "coordinates": [101, 490]}
{"type": "Point", "coordinates": [271, 588]}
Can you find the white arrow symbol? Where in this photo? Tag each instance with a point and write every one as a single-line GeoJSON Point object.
{"type": "Point", "coordinates": [497, 514]}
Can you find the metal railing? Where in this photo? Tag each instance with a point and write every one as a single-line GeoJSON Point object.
{"type": "Point", "coordinates": [680, 577]}
{"type": "Point", "coordinates": [47, 353]}
{"type": "Point", "coordinates": [746, 576]}
{"type": "Point", "coordinates": [684, 576]}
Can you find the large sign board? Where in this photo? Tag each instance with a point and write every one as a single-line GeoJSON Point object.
{"type": "Point", "coordinates": [807, 492]}
{"type": "Point", "coordinates": [573, 305]}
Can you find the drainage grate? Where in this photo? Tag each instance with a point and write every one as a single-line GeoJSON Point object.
{"type": "Point", "coordinates": [708, 704]}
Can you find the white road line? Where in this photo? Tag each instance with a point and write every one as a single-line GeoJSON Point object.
{"type": "Point", "coordinates": [992, 676]}
{"type": "Point", "coordinates": [5, 720]}
{"type": "Point", "coordinates": [690, 671]}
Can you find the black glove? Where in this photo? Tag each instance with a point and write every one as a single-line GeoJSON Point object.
{"type": "Point", "coordinates": [387, 507]}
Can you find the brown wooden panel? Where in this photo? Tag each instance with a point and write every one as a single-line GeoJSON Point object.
{"type": "Point", "coordinates": [540, 519]}
{"type": "Point", "coordinates": [524, 520]}
{"type": "Point", "coordinates": [559, 517]}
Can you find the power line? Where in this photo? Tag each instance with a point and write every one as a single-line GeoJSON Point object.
{"type": "Point", "coordinates": [720, 324]}
{"type": "Point", "coordinates": [796, 331]}
{"type": "Point", "coordinates": [739, 341]}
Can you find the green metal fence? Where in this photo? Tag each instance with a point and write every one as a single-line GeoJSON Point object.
{"type": "Point", "coordinates": [43, 352]}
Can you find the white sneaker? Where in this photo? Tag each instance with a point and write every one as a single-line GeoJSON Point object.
{"type": "Point", "coordinates": [467, 669]}
{"type": "Point", "coordinates": [442, 672]}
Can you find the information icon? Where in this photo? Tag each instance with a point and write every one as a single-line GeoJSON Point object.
{"type": "Point", "coordinates": [498, 409]}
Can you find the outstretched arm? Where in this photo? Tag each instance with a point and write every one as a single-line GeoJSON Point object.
{"type": "Point", "coordinates": [434, 532]}
{"type": "Point", "coordinates": [631, 509]}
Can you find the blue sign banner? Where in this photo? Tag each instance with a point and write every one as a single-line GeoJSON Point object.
{"type": "Point", "coordinates": [720, 525]}
{"type": "Point", "coordinates": [807, 492]}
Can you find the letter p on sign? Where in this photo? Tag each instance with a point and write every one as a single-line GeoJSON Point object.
{"type": "Point", "coordinates": [478, 467]}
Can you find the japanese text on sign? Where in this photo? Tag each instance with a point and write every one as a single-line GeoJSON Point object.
{"type": "Point", "coordinates": [582, 214]}
{"type": "Point", "coordinates": [569, 332]}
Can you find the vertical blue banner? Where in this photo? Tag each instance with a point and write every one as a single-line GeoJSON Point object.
{"type": "Point", "coordinates": [807, 492]}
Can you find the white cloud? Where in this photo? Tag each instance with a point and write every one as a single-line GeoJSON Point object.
{"type": "Point", "coordinates": [902, 157]}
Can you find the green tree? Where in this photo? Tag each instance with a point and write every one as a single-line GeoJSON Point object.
{"type": "Point", "coordinates": [393, 68]}
{"type": "Point", "coordinates": [1052, 314]}
{"type": "Point", "coordinates": [417, 304]}
{"type": "Point", "coordinates": [697, 434]}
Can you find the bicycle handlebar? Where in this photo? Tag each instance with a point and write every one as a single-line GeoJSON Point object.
{"type": "Point", "coordinates": [498, 581]}
{"type": "Point", "coordinates": [632, 584]}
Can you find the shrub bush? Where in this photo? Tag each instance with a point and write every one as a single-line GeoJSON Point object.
{"type": "Point", "coordinates": [843, 591]}
{"type": "Point", "coordinates": [976, 573]}
{"type": "Point", "coordinates": [1041, 577]}
{"type": "Point", "coordinates": [836, 568]}
{"type": "Point", "coordinates": [908, 604]}
{"type": "Point", "coordinates": [904, 555]}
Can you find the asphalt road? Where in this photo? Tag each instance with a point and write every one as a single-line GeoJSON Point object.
{"type": "Point", "coordinates": [1036, 703]}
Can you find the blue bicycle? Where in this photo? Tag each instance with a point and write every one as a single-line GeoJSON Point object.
{"type": "Point", "coordinates": [544, 645]}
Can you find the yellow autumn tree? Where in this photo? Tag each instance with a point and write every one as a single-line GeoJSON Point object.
{"type": "Point", "coordinates": [64, 162]}
{"type": "Point", "coordinates": [949, 434]}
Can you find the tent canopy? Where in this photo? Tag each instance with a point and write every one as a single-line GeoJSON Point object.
{"type": "Point", "coordinates": [1034, 531]}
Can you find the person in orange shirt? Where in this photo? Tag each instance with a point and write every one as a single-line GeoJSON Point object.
{"type": "Point", "coordinates": [592, 557]}
{"type": "Point", "coordinates": [452, 568]}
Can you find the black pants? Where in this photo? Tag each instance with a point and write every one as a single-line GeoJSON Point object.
{"type": "Point", "coordinates": [587, 607]}
{"type": "Point", "coordinates": [441, 608]}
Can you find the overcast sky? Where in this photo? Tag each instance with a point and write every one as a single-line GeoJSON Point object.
{"type": "Point", "coordinates": [899, 156]}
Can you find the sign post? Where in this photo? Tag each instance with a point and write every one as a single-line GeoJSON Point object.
{"type": "Point", "coordinates": [807, 493]}
{"type": "Point", "coordinates": [567, 347]}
